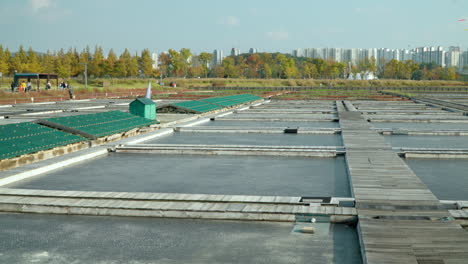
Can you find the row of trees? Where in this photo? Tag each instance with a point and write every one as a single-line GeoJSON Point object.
{"type": "Point", "coordinates": [411, 70]}
{"type": "Point", "coordinates": [71, 63]}
{"type": "Point", "coordinates": [267, 65]}
{"type": "Point", "coordinates": [183, 63]}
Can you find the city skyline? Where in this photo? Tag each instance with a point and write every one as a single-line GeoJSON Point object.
{"type": "Point", "coordinates": [53, 24]}
{"type": "Point", "coordinates": [452, 56]}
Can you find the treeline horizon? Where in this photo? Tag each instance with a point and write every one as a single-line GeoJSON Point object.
{"type": "Point", "coordinates": [184, 64]}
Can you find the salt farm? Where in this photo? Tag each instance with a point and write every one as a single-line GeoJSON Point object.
{"type": "Point", "coordinates": [256, 181]}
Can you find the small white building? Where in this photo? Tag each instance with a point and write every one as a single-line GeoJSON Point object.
{"type": "Point", "coordinates": [363, 76]}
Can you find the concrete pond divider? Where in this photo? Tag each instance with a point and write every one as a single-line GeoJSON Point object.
{"type": "Point", "coordinates": [288, 151]}
{"type": "Point", "coordinates": [41, 170]}
{"type": "Point", "coordinates": [432, 153]}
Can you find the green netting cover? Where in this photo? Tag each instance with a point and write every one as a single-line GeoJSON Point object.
{"type": "Point", "coordinates": [215, 103]}
{"type": "Point", "coordinates": [103, 124]}
{"type": "Point", "coordinates": [25, 138]}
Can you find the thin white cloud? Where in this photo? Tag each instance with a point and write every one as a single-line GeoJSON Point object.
{"type": "Point", "coordinates": [37, 5]}
{"type": "Point", "coordinates": [47, 11]}
{"type": "Point", "coordinates": [277, 35]}
{"type": "Point", "coordinates": [230, 21]}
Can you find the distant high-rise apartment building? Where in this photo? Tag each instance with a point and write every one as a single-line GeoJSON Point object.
{"type": "Point", "coordinates": [419, 56]}
{"type": "Point", "coordinates": [346, 56]}
{"type": "Point", "coordinates": [155, 58]}
{"type": "Point", "coordinates": [406, 55]}
{"type": "Point", "coordinates": [309, 53]}
{"type": "Point", "coordinates": [253, 50]}
{"type": "Point", "coordinates": [332, 54]}
{"type": "Point", "coordinates": [368, 54]}
{"type": "Point", "coordinates": [321, 53]}
{"type": "Point", "coordinates": [298, 53]}
{"type": "Point", "coordinates": [464, 61]}
{"type": "Point", "coordinates": [337, 54]}
{"type": "Point", "coordinates": [386, 55]}
{"type": "Point", "coordinates": [352, 56]}
{"type": "Point", "coordinates": [438, 56]}
{"type": "Point", "coordinates": [235, 52]}
{"type": "Point", "coordinates": [430, 55]}
{"type": "Point", "coordinates": [372, 53]}
{"type": "Point", "coordinates": [452, 57]}
{"type": "Point", "coordinates": [217, 57]}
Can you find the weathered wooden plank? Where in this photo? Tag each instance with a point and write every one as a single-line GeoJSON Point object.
{"type": "Point", "coordinates": [398, 215]}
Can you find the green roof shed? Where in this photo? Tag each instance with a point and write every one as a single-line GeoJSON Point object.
{"type": "Point", "coordinates": [143, 107]}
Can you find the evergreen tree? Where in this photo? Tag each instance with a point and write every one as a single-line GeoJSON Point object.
{"type": "Point", "coordinates": [97, 63]}
{"type": "Point", "coordinates": [7, 57]}
{"type": "Point", "coordinates": [21, 54]}
{"type": "Point", "coordinates": [120, 68]}
{"type": "Point", "coordinates": [63, 65]}
{"type": "Point", "coordinates": [110, 66]}
{"type": "Point", "coordinates": [48, 62]}
{"type": "Point", "coordinates": [76, 67]}
{"type": "Point", "coordinates": [133, 67]}
{"type": "Point", "coordinates": [16, 65]}
{"type": "Point", "coordinates": [124, 64]}
{"type": "Point", "coordinates": [146, 63]}
{"type": "Point", "coordinates": [85, 55]}
{"type": "Point", "coordinates": [18, 61]}
{"type": "Point", "coordinates": [32, 64]}
{"type": "Point", "coordinates": [4, 59]}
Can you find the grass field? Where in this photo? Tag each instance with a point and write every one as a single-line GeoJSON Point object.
{"type": "Point", "coordinates": [192, 89]}
{"type": "Point", "coordinates": [192, 83]}
{"type": "Point", "coordinates": [138, 83]}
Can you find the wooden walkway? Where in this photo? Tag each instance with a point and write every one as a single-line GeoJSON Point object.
{"type": "Point", "coordinates": [444, 104]}
{"type": "Point", "coordinates": [400, 219]}
{"type": "Point", "coordinates": [171, 205]}
{"type": "Point", "coordinates": [323, 151]}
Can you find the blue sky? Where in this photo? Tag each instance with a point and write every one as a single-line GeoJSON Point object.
{"type": "Point", "coordinates": [204, 25]}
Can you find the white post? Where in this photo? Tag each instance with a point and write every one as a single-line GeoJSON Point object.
{"type": "Point", "coordinates": [148, 91]}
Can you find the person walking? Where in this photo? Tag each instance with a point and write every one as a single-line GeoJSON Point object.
{"type": "Point", "coordinates": [12, 87]}
{"type": "Point", "coordinates": [70, 92]}
{"type": "Point", "coordinates": [28, 86]}
{"type": "Point", "coordinates": [23, 87]}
